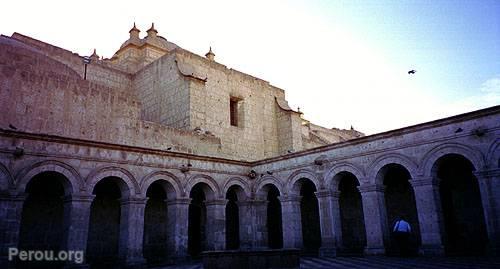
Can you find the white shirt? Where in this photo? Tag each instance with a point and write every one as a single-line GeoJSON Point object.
{"type": "Point", "coordinates": [402, 226]}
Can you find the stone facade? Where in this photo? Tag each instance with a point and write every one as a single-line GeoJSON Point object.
{"type": "Point", "coordinates": [163, 85]}
{"type": "Point", "coordinates": [134, 182]}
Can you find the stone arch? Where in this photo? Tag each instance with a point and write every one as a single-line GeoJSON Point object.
{"type": "Point", "coordinates": [463, 211]}
{"type": "Point", "coordinates": [209, 181]}
{"type": "Point", "coordinates": [110, 186]}
{"type": "Point", "coordinates": [73, 185]}
{"type": "Point", "coordinates": [493, 155]}
{"type": "Point", "coordinates": [309, 214]}
{"type": "Point", "coordinates": [235, 214]}
{"type": "Point", "coordinates": [6, 180]}
{"type": "Point", "coordinates": [271, 180]}
{"type": "Point", "coordinates": [332, 182]}
{"type": "Point", "coordinates": [202, 225]}
{"type": "Point", "coordinates": [375, 167]}
{"type": "Point", "coordinates": [400, 201]}
{"type": "Point", "coordinates": [352, 224]}
{"type": "Point", "coordinates": [44, 218]}
{"type": "Point", "coordinates": [132, 187]}
{"type": "Point", "coordinates": [159, 187]}
{"type": "Point", "coordinates": [236, 181]}
{"type": "Point", "coordinates": [166, 177]}
{"type": "Point", "coordinates": [430, 158]}
{"type": "Point", "coordinates": [299, 174]}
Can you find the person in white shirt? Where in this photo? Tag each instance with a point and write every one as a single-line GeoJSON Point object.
{"type": "Point", "coordinates": [402, 231]}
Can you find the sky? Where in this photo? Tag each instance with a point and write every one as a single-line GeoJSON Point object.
{"type": "Point", "coordinates": [344, 63]}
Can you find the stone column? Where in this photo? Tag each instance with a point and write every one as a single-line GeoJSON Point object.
{"type": "Point", "coordinates": [76, 225]}
{"type": "Point", "coordinates": [430, 216]}
{"type": "Point", "coordinates": [132, 232]}
{"type": "Point", "coordinates": [489, 186]}
{"type": "Point", "coordinates": [11, 207]}
{"type": "Point", "coordinates": [292, 225]}
{"type": "Point", "coordinates": [375, 218]}
{"type": "Point", "coordinates": [216, 224]}
{"type": "Point", "coordinates": [177, 219]}
{"type": "Point", "coordinates": [259, 220]}
{"type": "Point", "coordinates": [247, 215]}
{"type": "Point", "coordinates": [329, 215]}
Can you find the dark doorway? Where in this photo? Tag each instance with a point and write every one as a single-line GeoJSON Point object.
{"type": "Point", "coordinates": [465, 230]}
{"type": "Point", "coordinates": [104, 228]}
{"type": "Point", "coordinates": [274, 219]}
{"type": "Point", "coordinates": [400, 202]}
{"type": "Point", "coordinates": [43, 217]}
{"type": "Point", "coordinates": [309, 211]}
{"type": "Point", "coordinates": [351, 213]}
{"type": "Point", "coordinates": [197, 221]}
{"type": "Point", "coordinates": [232, 220]}
{"type": "Point", "coordinates": [155, 225]}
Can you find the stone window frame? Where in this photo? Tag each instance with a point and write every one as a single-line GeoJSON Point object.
{"type": "Point", "coordinates": [236, 111]}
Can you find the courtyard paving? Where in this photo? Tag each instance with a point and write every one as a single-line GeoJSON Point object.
{"type": "Point", "coordinates": [381, 262]}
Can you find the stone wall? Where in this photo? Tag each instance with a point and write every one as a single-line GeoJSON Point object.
{"type": "Point", "coordinates": [164, 93]}
{"type": "Point", "coordinates": [98, 71]}
{"type": "Point", "coordinates": [182, 90]}
{"type": "Point", "coordinates": [410, 144]}
{"type": "Point", "coordinates": [41, 95]}
{"type": "Point", "coordinates": [85, 163]}
{"type": "Point", "coordinates": [256, 135]}
{"type": "Point", "coordinates": [88, 133]}
{"type": "Point", "coordinates": [186, 91]}
{"type": "Point", "coordinates": [315, 136]}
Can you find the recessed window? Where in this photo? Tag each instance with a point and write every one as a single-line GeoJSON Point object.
{"type": "Point", "coordinates": [233, 111]}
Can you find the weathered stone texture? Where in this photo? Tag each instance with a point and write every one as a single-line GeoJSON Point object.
{"type": "Point", "coordinates": [163, 124]}
{"type": "Point", "coordinates": [38, 97]}
{"type": "Point", "coordinates": [171, 87]}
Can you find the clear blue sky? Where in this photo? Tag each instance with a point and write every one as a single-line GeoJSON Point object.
{"type": "Point", "coordinates": [455, 45]}
{"type": "Point", "coordinates": [343, 62]}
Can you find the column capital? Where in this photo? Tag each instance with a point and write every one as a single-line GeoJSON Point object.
{"type": "Point", "coordinates": [327, 193]}
{"type": "Point", "coordinates": [79, 198]}
{"type": "Point", "coordinates": [290, 198]}
{"type": "Point", "coordinates": [487, 174]}
{"type": "Point", "coordinates": [216, 202]}
{"type": "Point", "coordinates": [179, 201]}
{"type": "Point", "coordinates": [13, 197]}
{"type": "Point", "coordinates": [371, 188]}
{"type": "Point", "coordinates": [252, 202]}
{"type": "Point", "coordinates": [133, 200]}
{"type": "Point", "coordinates": [424, 181]}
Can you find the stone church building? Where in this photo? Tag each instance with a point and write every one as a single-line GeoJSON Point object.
{"type": "Point", "coordinates": [158, 154]}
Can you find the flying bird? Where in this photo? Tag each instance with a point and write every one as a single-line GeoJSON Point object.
{"type": "Point", "coordinates": [12, 127]}
{"type": "Point", "coordinates": [412, 72]}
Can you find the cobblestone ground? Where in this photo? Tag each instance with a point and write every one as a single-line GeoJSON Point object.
{"type": "Point", "coordinates": [384, 262]}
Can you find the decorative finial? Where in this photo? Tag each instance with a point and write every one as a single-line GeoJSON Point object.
{"type": "Point", "coordinates": [134, 32]}
{"type": "Point", "coordinates": [152, 31]}
{"type": "Point", "coordinates": [210, 54]}
{"type": "Point", "coordinates": [94, 56]}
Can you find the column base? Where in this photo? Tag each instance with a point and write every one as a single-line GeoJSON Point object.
{"type": "Point", "coordinates": [5, 263]}
{"type": "Point", "coordinates": [431, 250]}
{"type": "Point", "coordinates": [372, 251]}
{"type": "Point", "coordinates": [178, 259]}
{"type": "Point", "coordinates": [493, 251]}
{"type": "Point", "coordinates": [328, 252]}
{"type": "Point", "coordinates": [135, 264]}
{"type": "Point", "coordinates": [76, 266]}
